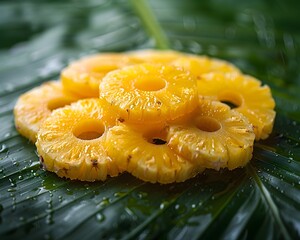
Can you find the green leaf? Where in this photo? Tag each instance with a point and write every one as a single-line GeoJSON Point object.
{"type": "Point", "coordinates": [261, 201]}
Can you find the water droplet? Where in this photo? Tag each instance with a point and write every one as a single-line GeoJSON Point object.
{"type": "Point", "coordinates": [3, 148]}
{"type": "Point", "coordinates": [12, 182]}
{"type": "Point", "coordinates": [21, 218]}
{"type": "Point", "coordinates": [163, 205]}
{"type": "Point", "coordinates": [119, 194]}
{"type": "Point", "coordinates": [104, 202]}
{"type": "Point", "coordinates": [20, 177]}
{"type": "Point", "coordinates": [16, 164]}
{"type": "Point", "coordinates": [11, 190]}
{"type": "Point", "coordinates": [142, 195]}
{"type": "Point", "coordinates": [100, 217]}
{"type": "Point", "coordinates": [7, 135]}
{"type": "Point", "coordinates": [180, 208]}
{"type": "Point", "coordinates": [69, 191]}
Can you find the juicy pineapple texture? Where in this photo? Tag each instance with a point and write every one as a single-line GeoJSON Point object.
{"type": "Point", "coordinates": [156, 114]}
{"type": "Point", "coordinates": [199, 65]}
{"type": "Point", "coordinates": [248, 95]}
{"type": "Point", "coordinates": [150, 92]}
{"type": "Point", "coordinates": [33, 107]}
{"type": "Point", "coordinates": [71, 142]}
{"type": "Point", "coordinates": [83, 76]}
{"type": "Point", "coordinates": [138, 153]}
{"type": "Point", "coordinates": [215, 137]}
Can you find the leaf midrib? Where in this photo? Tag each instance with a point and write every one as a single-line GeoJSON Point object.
{"type": "Point", "coordinates": [269, 201]}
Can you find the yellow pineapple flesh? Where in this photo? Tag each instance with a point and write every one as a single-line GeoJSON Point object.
{"type": "Point", "coordinates": [150, 92]}
{"type": "Point", "coordinates": [71, 142]}
{"type": "Point", "coordinates": [199, 65]}
{"type": "Point", "coordinates": [246, 93]}
{"type": "Point", "coordinates": [34, 106]}
{"type": "Point", "coordinates": [146, 155]}
{"type": "Point", "coordinates": [215, 137]}
{"type": "Point", "coordinates": [154, 56]}
{"type": "Point", "coordinates": [157, 114]}
{"type": "Point", "coordinates": [83, 76]}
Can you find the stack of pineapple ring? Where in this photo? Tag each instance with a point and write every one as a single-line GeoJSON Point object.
{"type": "Point", "coordinates": [159, 115]}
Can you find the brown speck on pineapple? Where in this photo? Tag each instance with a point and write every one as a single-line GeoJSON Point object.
{"type": "Point", "coordinates": [198, 77]}
{"type": "Point", "coordinates": [65, 170]}
{"type": "Point", "coordinates": [158, 102]}
{"type": "Point", "coordinates": [129, 158]}
{"type": "Point", "coordinates": [121, 119]}
{"type": "Point", "coordinates": [128, 111]}
{"type": "Point", "coordinates": [94, 163]}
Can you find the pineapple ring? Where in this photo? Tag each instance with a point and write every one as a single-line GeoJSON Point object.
{"type": "Point", "coordinates": [144, 154]}
{"type": "Point", "coordinates": [71, 142]}
{"type": "Point", "coordinates": [215, 137]}
{"type": "Point", "coordinates": [199, 65]}
{"type": "Point", "coordinates": [246, 93]}
{"type": "Point", "coordinates": [150, 92]}
{"type": "Point", "coordinates": [33, 107]}
{"type": "Point", "coordinates": [84, 76]}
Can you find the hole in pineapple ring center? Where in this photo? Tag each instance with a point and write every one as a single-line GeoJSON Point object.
{"type": "Point", "coordinates": [232, 99]}
{"type": "Point", "coordinates": [156, 137]}
{"type": "Point", "coordinates": [207, 124]}
{"type": "Point", "coordinates": [57, 103]}
{"type": "Point", "coordinates": [89, 129]}
{"type": "Point", "coordinates": [149, 83]}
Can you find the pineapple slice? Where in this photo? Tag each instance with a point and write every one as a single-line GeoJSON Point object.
{"type": "Point", "coordinates": [84, 76]}
{"type": "Point", "coordinates": [149, 92]}
{"type": "Point", "coordinates": [71, 142]}
{"type": "Point", "coordinates": [247, 94]}
{"type": "Point", "coordinates": [215, 137]}
{"type": "Point", "coordinates": [145, 154]}
{"type": "Point", "coordinates": [199, 65]}
{"type": "Point", "coordinates": [33, 107]}
{"type": "Point", "coordinates": [154, 56]}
